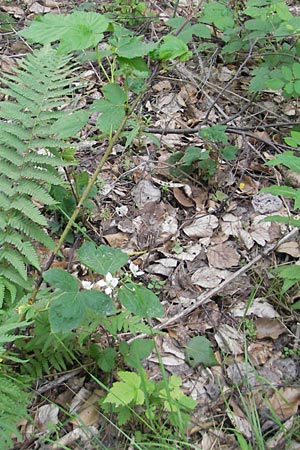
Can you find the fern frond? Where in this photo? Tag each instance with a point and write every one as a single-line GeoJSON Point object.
{"type": "Point", "coordinates": [30, 229]}
{"type": "Point", "coordinates": [13, 157]}
{"type": "Point", "coordinates": [13, 401]}
{"type": "Point", "coordinates": [25, 248]}
{"type": "Point", "coordinates": [39, 92]}
{"type": "Point", "coordinates": [37, 192]}
{"type": "Point", "coordinates": [16, 261]}
{"type": "Point", "coordinates": [28, 209]}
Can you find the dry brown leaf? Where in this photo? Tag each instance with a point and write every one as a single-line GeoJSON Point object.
{"type": "Point", "coordinates": [182, 198]}
{"type": "Point", "coordinates": [145, 192]}
{"type": "Point", "coordinates": [248, 185]}
{"type": "Point", "coordinates": [269, 328]}
{"type": "Point", "coordinates": [46, 416]}
{"type": "Point", "coordinates": [259, 307]}
{"type": "Point", "coordinates": [239, 419]}
{"type": "Point", "coordinates": [118, 240]}
{"type": "Point", "coordinates": [86, 434]}
{"type": "Point", "coordinates": [88, 413]}
{"type": "Point", "coordinates": [291, 248]}
{"type": "Point", "coordinates": [222, 256]}
{"type": "Point", "coordinates": [209, 277]}
{"type": "Point", "coordinates": [202, 227]}
{"type": "Point", "coordinates": [260, 352]}
{"type": "Point", "coordinates": [285, 402]}
{"type": "Point", "coordinates": [229, 339]}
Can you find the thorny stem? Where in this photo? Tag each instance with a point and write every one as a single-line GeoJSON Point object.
{"type": "Point", "coordinates": [85, 194]}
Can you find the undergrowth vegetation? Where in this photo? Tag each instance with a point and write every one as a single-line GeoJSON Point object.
{"type": "Point", "coordinates": [49, 319]}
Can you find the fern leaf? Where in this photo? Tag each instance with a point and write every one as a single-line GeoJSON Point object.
{"type": "Point", "coordinates": [13, 401]}
{"type": "Point", "coordinates": [25, 248]}
{"type": "Point", "coordinates": [35, 191]}
{"type": "Point", "coordinates": [27, 208]}
{"type": "Point", "coordinates": [13, 157]}
{"type": "Point", "coordinates": [12, 111]}
{"type": "Point", "coordinates": [30, 229]}
{"type": "Point", "coordinates": [15, 260]}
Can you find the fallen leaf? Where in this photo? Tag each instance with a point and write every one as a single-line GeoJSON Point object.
{"type": "Point", "coordinates": [88, 413]}
{"type": "Point", "coordinates": [46, 416]}
{"type": "Point", "coordinates": [285, 402]}
{"type": "Point", "coordinates": [222, 256]}
{"type": "Point", "coordinates": [290, 248]}
{"type": "Point", "coordinates": [229, 340]}
{"type": "Point", "coordinates": [269, 328]}
{"type": "Point", "coordinates": [145, 192]}
{"type": "Point", "coordinates": [239, 419]}
{"type": "Point", "coordinates": [202, 227]}
{"type": "Point", "coordinates": [259, 308]}
{"type": "Point", "coordinates": [182, 198]}
{"type": "Point", "coordinates": [209, 277]}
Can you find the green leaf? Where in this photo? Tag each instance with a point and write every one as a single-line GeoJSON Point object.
{"type": "Point", "coordinates": [285, 191]}
{"type": "Point", "coordinates": [140, 300]}
{"type": "Point", "coordinates": [75, 31]}
{"type": "Point", "coordinates": [172, 48]}
{"type": "Point", "coordinates": [287, 73]}
{"type": "Point", "coordinates": [61, 279]}
{"type": "Point", "coordinates": [107, 359]}
{"type": "Point", "coordinates": [289, 271]}
{"type": "Point", "coordinates": [275, 84]}
{"type": "Point", "coordinates": [219, 15]}
{"type": "Point", "coordinates": [70, 124]}
{"type": "Point", "coordinates": [138, 350]}
{"type": "Point", "coordinates": [112, 108]}
{"type": "Point", "coordinates": [296, 70]}
{"type": "Point", "coordinates": [102, 259]}
{"type": "Point", "coordinates": [199, 351]}
{"type": "Point", "coordinates": [66, 312]}
{"type": "Point", "coordinates": [281, 219]}
{"type": "Point", "coordinates": [215, 133]}
{"type": "Point", "coordinates": [288, 159]}
{"type": "Point", "coordinates": [126, 391]}
{"type": "Point", "coordinates": [97, 301]}
{"type": "Point", "coordinates": [134, 48]}
{"type": "Point", "coordinates": [229, 152]}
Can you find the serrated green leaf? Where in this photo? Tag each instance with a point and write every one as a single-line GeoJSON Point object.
{"type": "Point", "coordinates": [107, 359]}
{"type": "Point", "coordinates": [199, 351]}
{"type": "Point", "coordinates": [285, 191]}
{"type": "Point", "coordinates": [102, 259]}
{"type": "Point", "coordinates": [172, 48]}
{"type": "Point", "coordinates": [138, 350]}
{"type": "Point", "coordinates": [140, 300]}
{"type": "Point", "coordinates": [288, 159]}
{"type": "Point", "coordinates": [70, 124]}
{"type": "Point", "coordinates": [61, 279]}
{"type": "Point", "coordinates": [66, 312]}
{"type": "Point", "coordinates": [126, 391]}
{"type": "Point", "coordinates": [75, 31]}
{"type": "Point", "coordinates": [97, 301]}
{"type": "Point", "coordinates": [112, 108]}
{"type": "Point", "coordinates": [215, 133]}
{"type": "Point", "coordinates": [229, 152]}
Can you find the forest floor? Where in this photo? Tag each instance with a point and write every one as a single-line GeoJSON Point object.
{"type": "Point", "coordinates": [211, 262]}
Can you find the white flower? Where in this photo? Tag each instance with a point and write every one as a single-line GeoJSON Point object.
{"type": "Point", "coordinates": [134, 269]}
{"type": "Point", "coordinates": [109, 283]}
{"type": "Point", "coordinates": [87, 285]}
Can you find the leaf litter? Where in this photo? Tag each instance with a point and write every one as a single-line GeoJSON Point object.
{"type": "Point", "coordinates": [185, 240]}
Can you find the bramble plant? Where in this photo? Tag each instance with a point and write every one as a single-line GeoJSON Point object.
{"type": "Point", "coordinates": [38, 118]}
